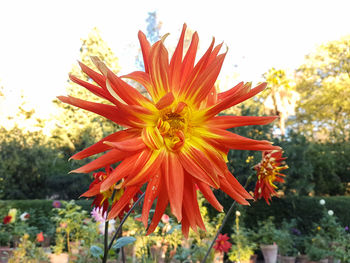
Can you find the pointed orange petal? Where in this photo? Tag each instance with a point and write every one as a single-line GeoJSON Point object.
{"type": "Point", "coordinates": [237, 91]}
{"type": "Point", "coordinates": [124, 169]}
{"type": "Point", "coordinates": [234, 141]}
{"type": "Point", "coordinates": [208, 194]}
{"type": "Point", "coordinates": [142, 78]}
{"type": "Point", "coordinates": [227, 122]}
{"type": "Point", "coordinates": [190, 205]}
{"type": "Point", "coordinates": [232, 192]}
{"type": "Point", "coordinates": [94, 89]}
{"type": "Point", "coordinates": [119, 206]}
{"type": "Point", "coordinates": [108, 111]}
{"type": "Point", "coordinates": [126, 92]}
{"type": "Point", "coordinates": [150, 169]}
{"type": "Point", "coordinates": [162, 203]}
{"type": "Point", "coordinates": [97, 77]}
{"type": "Point", "coordinates": [189, 59]}
{"type": "Point", "coordinates": [174, 180]}
{"type": "Point", "coordinates": [95, 190]}
{"type": "Point", "coordinates": [195, 170]}
{"type": "Point", "coordinates": [101, 147]}
{"type": "Point", "coordinates": [152, 192]}
{"type": "Point", "coordinates": [165, 101]}
{"type": "Point", "coordinates": [145, 48]}
{"type": "Point", "coordinates": [201, 64]}
{"type": "Point", "coordinates": [236, 185]}
{"type": "Point", "coordinates": [131, 145]}
{"type": "Point", "coordinates": [234, 99]}
{"type": "Point", "coordinates": [205, 81]}
{"type": "Point", "coordinates": [159, 67]}
{"type": "Point", "coordinates": [108, 158]}
{"type": "Point", "coordinates": [175, 63]}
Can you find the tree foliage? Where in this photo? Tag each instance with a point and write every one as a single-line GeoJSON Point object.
{"type": "Point", "coordinates": [79, 128]}
{"type": "Point", "coordinates": [324, 84]}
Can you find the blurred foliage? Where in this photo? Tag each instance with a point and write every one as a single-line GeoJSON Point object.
{"type": "Point", "coordinates": [78, 128]}
{"type": "Point", "coordinates": [323, 82]}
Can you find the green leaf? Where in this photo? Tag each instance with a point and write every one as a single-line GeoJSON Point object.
{"type": "Point", "coordinates": [96, 251]}
{"type": "Point", "coordinates": [123, 241]}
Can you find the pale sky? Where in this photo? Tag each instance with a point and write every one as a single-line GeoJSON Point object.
{"type": "Point", "coordinates": [40, 40]}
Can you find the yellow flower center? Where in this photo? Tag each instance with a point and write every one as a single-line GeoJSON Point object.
{"type": "Point", "coordinates": [170, 130]}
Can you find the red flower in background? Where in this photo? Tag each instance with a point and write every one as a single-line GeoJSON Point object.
{"type": "Point", "coordinates": [102, 197]}
{"type": "Point", "coordinates": [268, 172]}
{"type": "Point", "coordinates": [7, 219]}
{"type": "Point", "coordinates": [40, 237]}
{"type": "Point", "coordinates": [173, 140]}
{"type": "Point", "coordinates": [222, 244]}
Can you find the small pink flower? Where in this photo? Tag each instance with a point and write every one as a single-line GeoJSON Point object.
{"type": "Point", "coordinates": [56, 204]}
{"type": "Point", "coordinates": [165, 218]}
{"type": "Point", "coordinates": [63, 225]}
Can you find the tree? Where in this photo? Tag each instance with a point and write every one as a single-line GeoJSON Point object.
{"type": "Point", "coordinates": [77, 128]}
{"type": "Point", "coordinates": [324, 84]}
{"type": "Point", "coordinates": [282, 99]}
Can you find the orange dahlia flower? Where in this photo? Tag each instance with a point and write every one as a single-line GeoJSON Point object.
{"type": "Point", "coordinates": [268, 172]}
{"type": "Point", "coordinates": [173, 140]}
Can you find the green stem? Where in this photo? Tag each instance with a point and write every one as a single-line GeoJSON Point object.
{"type": "Point", "coordinates": [105, 254]}
{"type": "Point", "coordinates": [223, 223]}
{"type": "Point", "coordinates": [124, 219]}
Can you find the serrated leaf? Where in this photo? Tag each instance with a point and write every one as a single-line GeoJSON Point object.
{"type": "Point", "coordinates": [123, 241]}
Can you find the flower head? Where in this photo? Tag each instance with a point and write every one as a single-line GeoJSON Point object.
{"type": "Point", "coordinates": [322, 202]}
{"type": "Point", "coordinates": [268, 172]}
{"type": "Point", "coordinates": [12, 213]}
{"type": "Point", "coordinates": [40, 237]}
{"type": "Point", "coordinates": [173, 140]}
{"type": "Point", "coordinates": [24, 216]}
{"type": "Point", "coordinates": [7, 219]}
{"type": "Point", "coordinates": [222, 244]}
{"type": "Point", "coordinates": [102, 198]}
{"type": "Point", "coordinates": [56, 204]}
{"type": "Point", "coordinates": [96, 214]}
{"type": "Point", "coordinates": [165, 218]}
{"type": "Point", "coordinates": [330, 212]}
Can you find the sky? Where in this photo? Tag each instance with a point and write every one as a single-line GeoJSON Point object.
{"type": "Point", "coordinates": [40, 40]}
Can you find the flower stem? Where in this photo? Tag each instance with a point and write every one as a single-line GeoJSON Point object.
{"type": "Point", "coordinates": [124, 219]}
{"type": "Point", "coordinates": [105, 255]}
{"type": "Point", "coordinates": [229, 212]}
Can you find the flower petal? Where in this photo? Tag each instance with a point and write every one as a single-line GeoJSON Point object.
{"type": "Point", "coordinates": [162, 203]}
{"type": "Point", "coordinates": [131, 145]}
{"type": "Point", "coordinates": [175, 63]}
{"type": "Point", "coordinates": [101, 146]}
{"type": "Point", "coordinates": [145, 48]}
{"type": "Point", "coordinates": [227, 122]}
{"type": "Point", "coordinates": [152, 192]}
{"type": "Point", "coordinates": [119, 206]}
{"type": "Point", "coordinates": [237, 142]}
{"type": "Point", "coordinates": [173, 173]}
{"type": "Point", "coordinates": [108, 158]}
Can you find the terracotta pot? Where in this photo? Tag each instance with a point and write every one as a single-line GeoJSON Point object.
{"type": "Point", "coordinates": [302, 259]}
{"type": "Point", "coordinates": [59, 258]}
{"type": "Point", "coordinates": [285, 259]}
{"type": "Point", "coordinates": [270, 253]}
{"type": "Point", "coordinates": [5, 253]}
